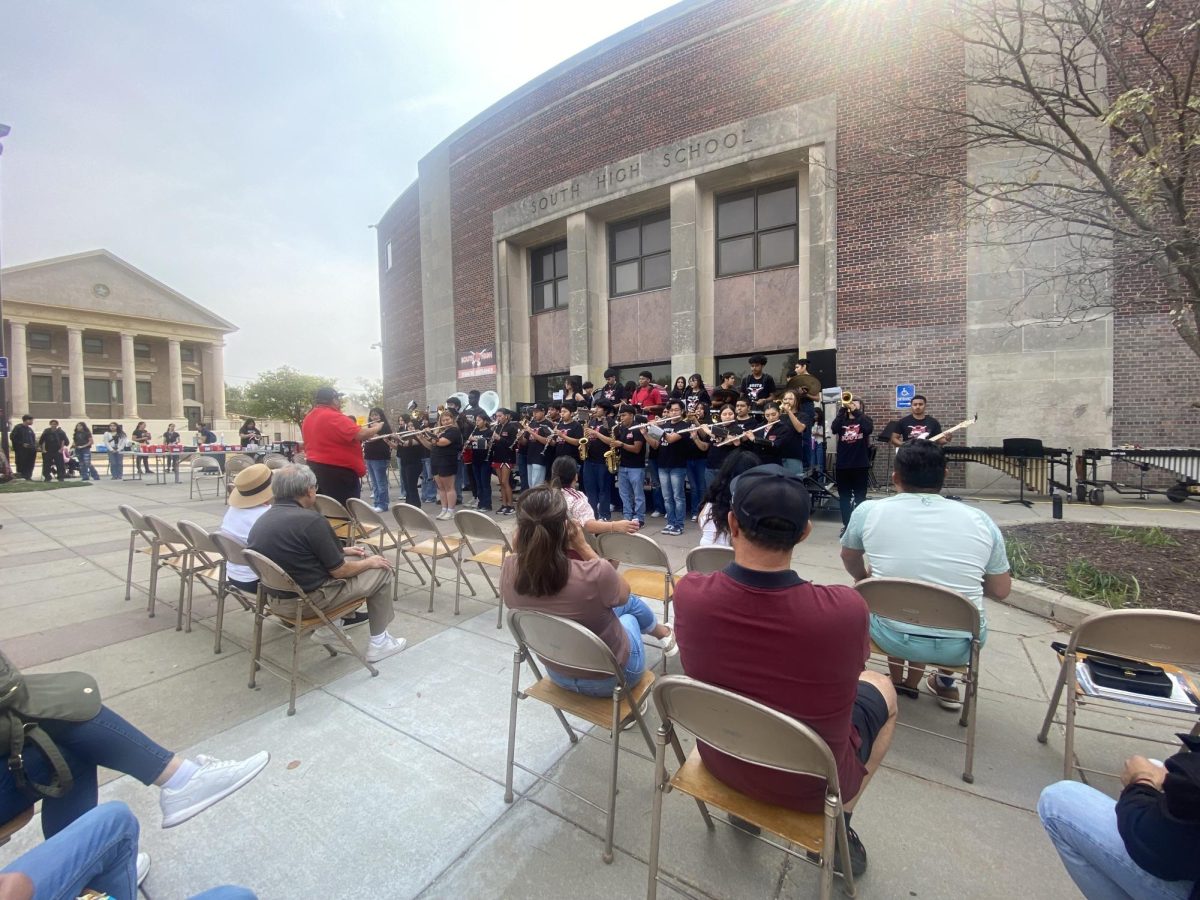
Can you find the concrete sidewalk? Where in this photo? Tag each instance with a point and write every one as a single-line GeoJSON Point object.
{"type": "Point", "coordinates": [393, 786]}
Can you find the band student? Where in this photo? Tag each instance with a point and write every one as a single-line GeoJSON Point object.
{"type": "Point", "coordinates": [478, 447]}
{"type": "Point", "coordinates": [443, 460]}
{"type": "Point", "coordinates": [504, 456]}
{"type": "Point", "coordinates": [853, 429]}
{"type": "Point", "coordinates": [758, 386]}
{"type": "Point", "coordinates": [612, 389]}
{"type": "Point", "coordinates": [596, 480]}
{"type": "Point", "coordinates": [727, 392]}
{"type": "Point", "coordinates": [631, 445]}
{"type": "Point", "coordinates": [917, 425]}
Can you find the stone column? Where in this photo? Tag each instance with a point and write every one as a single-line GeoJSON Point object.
{"type": "Point", "coordinates": [18, 374]}
{"type": "Point", "coordinates": [75, 364]}
{"type": "Point", "coordinates": [578, 313]}
{"type": "Point", "coordinates": [685, 294]}
{"type": "Point", "coordinates": [216, 380]}
{"type": "Point", "coordinates": [174, 378]}
{"type": "Point", "coordinates": [128, 379]}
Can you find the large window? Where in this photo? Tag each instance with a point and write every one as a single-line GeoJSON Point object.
{"type": "Point", "coordinates": [38, 340]}
{"type": "Point", "coordinates": [187, 353]}
{"type": "Point", "coordinates": [66, 388]}
{"type": "Point", "coordinates": [548, 276]}
{"type": "Point", "coordinates": [546, 386]}
{"type": "Point", "coordinates": [639, 253]}
{"type": "Point", "coordinates": [41, 388]}
{"type": "Point", "coordinates": [141, 350]}
{"type": "Point", "coordinates": [97, 390]}
{"type": "Point", "coordinates": [756, 229]}
{"type": "Point", "coordinates": [189, 390]}
{"type": "Point", "coordinates": [143, 393]}
{"type": "Point", "coordinates": [93, 345]}
{"type": "Point", "coordinates": [780, 366]}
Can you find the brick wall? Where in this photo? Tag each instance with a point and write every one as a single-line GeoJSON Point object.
{"type": "Point", "coordinates": [401, 315]}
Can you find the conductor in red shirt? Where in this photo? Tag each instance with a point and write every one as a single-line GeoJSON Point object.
{"type": "Point", "coordinates": [760, 630]}
{"type": "Point", "coordinates": [333, 446]}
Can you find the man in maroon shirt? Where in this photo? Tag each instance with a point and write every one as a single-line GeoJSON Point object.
{"type": "Point", "coordinates": [758, 629]}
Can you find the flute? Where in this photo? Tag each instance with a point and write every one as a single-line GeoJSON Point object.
{"type": "Point", "coordinates": [657, 421]}
{"type": "Point", "coordinates": [737, 437]}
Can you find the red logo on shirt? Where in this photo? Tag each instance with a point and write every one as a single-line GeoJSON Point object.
{"type": "Point", "coordinates": [851, 434]}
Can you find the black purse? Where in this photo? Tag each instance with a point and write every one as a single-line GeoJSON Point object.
{"type": "Point", "coordinates": [1129, 675]}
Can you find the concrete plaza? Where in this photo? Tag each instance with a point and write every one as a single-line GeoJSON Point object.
{"type": "Point", "coordinates": [393, 786]}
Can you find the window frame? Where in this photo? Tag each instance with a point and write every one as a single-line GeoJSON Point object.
{"type": "Point", "coordinates": [184, 387]}
{"type": "Point", "coordinates": [542, 382]}
{"type": "Point", "coordinates": [142, 350]}
{"type": "Point", "coordinates": [187, 353]}
{"type": "Point", "coordinates": [551, 250]}
{"type": "Point", "coordinates": [148, 399]}
{"type": "Point", "coordinates": [108, 390]}
{"type": "Point", "coordinates": [33, 344]}
{"type": "Point", "coordinates": [756, 233]}
{"type": "Point", "coordinates": [650, 218]}
{"type": "Point", "coordinates": [36, 378]}
{"type": "Point", "coordinates": [95, 342]}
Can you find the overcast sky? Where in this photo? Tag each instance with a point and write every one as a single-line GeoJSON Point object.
{"type": "Point", "coordinates": [237, 151]}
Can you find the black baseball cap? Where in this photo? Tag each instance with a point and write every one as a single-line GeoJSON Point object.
{"type": "Point", "coordinates": [326, 394]}
{"type": "Point", "coordinates": [771, 501]}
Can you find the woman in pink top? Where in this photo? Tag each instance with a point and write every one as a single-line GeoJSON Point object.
{"type": "Point", "coordinates": [555, 571]}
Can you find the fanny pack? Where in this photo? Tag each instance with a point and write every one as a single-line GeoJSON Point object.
{"type": "Point", "coordinates": [26, 701]}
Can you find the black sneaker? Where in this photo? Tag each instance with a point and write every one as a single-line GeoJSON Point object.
{"type": "Point", "coordinates": [358, 618]}
{"type": "Point", "coordinates": [748, 827]}
{"type": "Point", "coordinates": [858, 855]}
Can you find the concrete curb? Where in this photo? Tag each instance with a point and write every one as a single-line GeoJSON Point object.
{"type": "Point", "coordinates": [1050, 604]}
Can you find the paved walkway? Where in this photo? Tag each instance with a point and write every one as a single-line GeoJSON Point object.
{"type": "Point", "coordinates": [393, 786]}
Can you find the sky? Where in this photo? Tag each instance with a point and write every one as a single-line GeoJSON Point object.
{"type": "Point", "coordinates": [240, 151]}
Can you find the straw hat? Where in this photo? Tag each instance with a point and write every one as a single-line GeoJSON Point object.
{"type": "Point", "coordinates": [251, 487]}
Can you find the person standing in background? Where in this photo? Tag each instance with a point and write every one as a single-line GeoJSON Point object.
{"type": "Point", "coordinates": [83, 441]}
{"type": "Point", "coordinates": [333, 446]}
{"type": "Point", "coordinates": [378, 456]}
{"type": "Point", "coordinates": [24, 444]}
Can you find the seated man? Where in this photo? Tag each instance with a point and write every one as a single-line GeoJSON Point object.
{"type": "Point", "coordinates": [1144, 845]}
{"type": "Point", "coordinates": [758, 629]}
{"type": "Point", "coordinates": [919, 534]}
{"type": "Point", "coordinates": [296, 537]}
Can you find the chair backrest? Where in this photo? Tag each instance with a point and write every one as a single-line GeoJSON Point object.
{"type": "Point", "coordinates": [199, 540]}
{"type": "Point", "coordinates": [562, 641]}
{"type": "Point", "coordinates": [1157, 635]}
{"type": "Point", "coordinates": [231, 548]}
{"type": "Point", "coordinates": [920, 603]}
{"type": "Point", "coordinates": [744, 728]}
{"type": "Point", "coordinates": [165, 531]}
{"type": "Point", "coordinates": [273, 578]}
{"type": "Point", "coordinates": [136, 520]}
{"type": "Point", "coordinates": [473, 524]}
{"type": "Point", "coordinates": [364, 514]}
{"type": "Point", "coordinates": [711, 558]}
{"type": "Point", "coordinates": [330, 508]}
{"type": "Point", "coordinates": [275, 460]}
{"type": "Point", "coordinates": [633, 549]}
{"type": "Point", "coordinates": [414, 521]}
{"type": "Point", "coordinates": [205, 465]}
{"type": "Point", "coordinates": [236, 462]}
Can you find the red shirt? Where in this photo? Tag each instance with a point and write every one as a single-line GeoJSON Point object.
{"type": "Point", "coordinates": [331, 437]}
{"type": "Point", "coordinates": [792, 645]}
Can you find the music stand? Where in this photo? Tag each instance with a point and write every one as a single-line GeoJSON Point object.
{"type": "Point", "coordinates": [1023, 450]}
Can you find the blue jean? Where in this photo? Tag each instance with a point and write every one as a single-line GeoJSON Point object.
{"type": "Point", "coordinates": [674, 488]}
{"type": "Point", "coordinates": [637, 619]}
{"type": "Point", "coordinates": [378, 469]}
{"type": "Point", "coordinates": [429, 488]}
{"type": "Point", "coordinates": [537, 474]}
{"type": "Point", "coordinates": [697, 475]}
{"type": "Point", "coordinates": [460, 481]}
{"type": "Point", "coordinates": [105, 740]}
{"type": "Point", "coordinates": [595, 485]}
{"type": "Point", "coordinates": [97, 851]}
{"type": "Point", "coordinates": [633, 497]}
{"type": "Point", "coordinates": [657, 501]}
{"type": "Point", "coordinates": [482, 470]}
{"type": "Point", "coordinates": [523, 469]}
{"type": "Point", "coordinates": [1082, 825]}
{"type": "Point", "coordinates": [86, 470]}
{"type": "Point", "coordinates": [116, 464]}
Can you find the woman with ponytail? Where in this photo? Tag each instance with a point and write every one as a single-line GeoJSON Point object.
{"type": "Point", "coordinates": [555, 571]}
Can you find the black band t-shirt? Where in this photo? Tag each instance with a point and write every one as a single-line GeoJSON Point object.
{"type": "Point", "coordinates": [629, 458]}
{"type": "Point", "coordinates": [911, 427]}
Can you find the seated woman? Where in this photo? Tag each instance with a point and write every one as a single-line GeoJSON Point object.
{"type": "Point", "coordinates": [248, 501]}
{"type": "Point", "coordinates": [555, 571]}
{"type": "Point", "coordinates": [714, 513]}
{"type": "Point", "coordinates": [564, 475]}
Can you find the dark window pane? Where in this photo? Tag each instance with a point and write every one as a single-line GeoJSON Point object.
{"type": "Point", "coordinates": [625, 241]}
{"type": "Point", "coordinates": [143, 392]}
{"type": "Point", "coordinates": [93, 345]}
{"type": "Point", "coordinates": [736, 255]}
{"type": "Point", "coordinates": [66, 387]}
{"type": "Point", "coordinates": [776, 207]}
{"type": "Point", "coordinates": [189, 390]}
{"type": "Point", "coordinates": [656, 236]}
{"type": "Point", "coordinates": [41, 388]}
{"type": "Point", "coordinates": [141, 350]}
{"type": "Point", "coordinates": [543, 265]}
{"type": "Point", "coordinates": [777, 248]}
{"type": "Point", "coordinates": [735, 215]}
{"type": "Point", "coordinates": [38, 340]}
{"type": "Point", "coordinates": [656, 271]}
{"type": "Point", "coordinates": [560, 262]}
{"type": "Point", "coordinates": [560, 292]}
{"type": "Point", "coordinates": [625, 277]}
{"type": "Point", "coordinates": [547, 290]}
{"type": "Point", "coordinates": [96, 390]}
{"type": "Point", "coordinates": [187, 353]}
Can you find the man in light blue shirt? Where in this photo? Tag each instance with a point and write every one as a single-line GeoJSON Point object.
{"type": "Point", "coordinates": [919, 534]}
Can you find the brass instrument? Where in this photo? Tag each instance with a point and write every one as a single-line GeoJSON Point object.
{"type": "Point", "coordinates": [847, 399]}
{"type": "Point", "coordinates": [659, 421]}
{"type": "Point", "coordinates": [583, 449]}
{"type": "Point", "coordinates": [612, 459]}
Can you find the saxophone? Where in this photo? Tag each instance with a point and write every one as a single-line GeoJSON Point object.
{"type": "Point", "coordinates": [583, 445]}
{"type": "Point", "coordinates": [612, 458]}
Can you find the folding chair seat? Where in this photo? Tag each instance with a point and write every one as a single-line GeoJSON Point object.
{"type": "Point", "coordinates": [338, 517]}
{"type": "Point", "coordinates": [235, 463]}
{"type": "Point", "coordinates": [473, 524]}
{"type": "Point", "coordinates": [15, 824]}
{"type": "Point", "coordinates": [375, 533]}
{"type": "Point", "coordinates": [204, 469]}
{"type": "Point", "coordinates": [558, 640]}
{"type": "Point", "coordinates": [423, 537]}
{"type": "Point", "coordinates": [308, 617]}
{"type": "Point", "coordinates": [1165, 638]}
{"type": "Point", "coordinates": [171, 551]}
{"type": "Point", "coordinates": [705, 560]}
{"type": "Point", "coordinates": [230, 550]}
{"type": "Point", "coordinates": [753, 733]}
{"type": "Point", "coordinates": [650, 575]}
{"type": "Point", "coordinates": [138, 528]}
{"type": "Point", "coordinates": [933, 606]}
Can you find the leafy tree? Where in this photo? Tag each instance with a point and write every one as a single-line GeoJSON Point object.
{"type": "Point", "coordinates": [282, 393]}
{"type": "Point", "coordinates": [369, 393]}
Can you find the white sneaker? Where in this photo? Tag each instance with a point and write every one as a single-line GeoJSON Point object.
{"type": "Point", "coordinates": [143, 867]}
{"type": "Point", "coordinates": [215, 780]}
{"type": "Point", "coordinates": [389, 646]}
{"type": "Point", "coordinates": [379, 509]}
{"type": "Point", "coordinates": [656, 515]}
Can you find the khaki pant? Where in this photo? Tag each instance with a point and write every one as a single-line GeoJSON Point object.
{"type": "Point", "coordinates": [374, 584]}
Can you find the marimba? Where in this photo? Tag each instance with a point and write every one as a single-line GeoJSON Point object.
{"type": "Point", "coordinates": [1039, 473]}
{"type": "Point", "coordinates": [1182, 463]}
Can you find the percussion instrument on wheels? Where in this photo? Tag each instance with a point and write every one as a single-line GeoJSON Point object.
{"type": "Point", "coordinates": [1183, 464]}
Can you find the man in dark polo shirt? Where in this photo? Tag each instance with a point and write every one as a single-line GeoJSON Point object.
{"type": "Point", "coordinates": [758, 629]}
{"type": "Point", "coordinates": [294, 536]}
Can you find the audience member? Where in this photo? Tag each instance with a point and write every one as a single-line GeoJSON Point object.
{"type": "Point", "coordinates": [116, 443]}
{"type": "Point", "coordinates": [84, 441]}
{"type": "Point", "coordinates": [141, 437]}
{"type": "Point", "coordinates": [24, 444]}
{"type": "Point", "coordinates": [714, 512]}
{"type": "Point", "coordinates": [298, 539]}
{"type": "Point", "coordinates": [564, 475]}
{"type": "Point", "coordinates": [758, 629]}
{"type": "Point", "coordinates": [333, 446]}
{"type": "Point", "coordinates": [917, 533]}
{"type": "Point", "coordinates": [248, 502]}
{"type": "Point", "coordinates": [555, 571]}
{"type": "Point", "coordinates": [51, 443]}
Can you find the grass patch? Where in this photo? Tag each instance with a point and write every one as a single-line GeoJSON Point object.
{"type": "Point", "coordinates": [1147, 537]}
{"type": "Point", "coordinates": [1021, 561]}
{"type": "Point", "coordinates": [21, 486]}
{"type": "Point", "coordinates": [1087, 582]}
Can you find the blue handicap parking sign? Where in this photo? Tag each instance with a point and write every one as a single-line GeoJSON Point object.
{"type": "Point", "coordinates": [904, 395]}
{"type": "Point", "coordinates": [3, 366]}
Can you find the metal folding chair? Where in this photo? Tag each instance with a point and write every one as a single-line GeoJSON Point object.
{"type": "Point", "coordinates": [566, 643]}
{"type": "Point", "coordinates": [235, 463]}
{"type": "Point", "coordinates": [473, 524]}
{"type": "Point", "coordinates": [381, 538]}
{"type": "Point", "coordinates": [275, 461]}
{"type": "Point", "coordinates": [757, 734]}
{"type": "Point", "coordinates": [138, 528]}
{"type": "Point", "coordinates": [933, 606]}
{"type": "Point", "coordinates": [204, 469]}
{"type": "Point", "coordinates": [203, 562]}
{"type": "Point", "coordinates": [705, 560]}
{"type": "Point", "coordinates": [651, 575]}
{"type": "Point", "coordinates": [338, 517]}
{"type": "Point", "coordinates": [230, 550]}
{"type": "Point", "coordinates": [1163, 637]}
{"type": "Point", "coordinates": [307, 618]}
{"type": "Point", "coordinates": [172, 551]}
{"type": "Point", "coordinates": [15, 824]}
{"type": "Point", "coordinates": [416, 524]}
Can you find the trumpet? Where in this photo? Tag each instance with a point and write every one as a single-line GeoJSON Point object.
{"type": "Point", "coordinates": [406, 434]}
{"type": "Point", "coordinates": [847, 398]}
